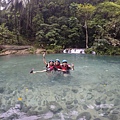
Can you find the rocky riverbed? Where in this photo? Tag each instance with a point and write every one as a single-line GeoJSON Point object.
{"type": "Point", "coordinates": [95, 101]}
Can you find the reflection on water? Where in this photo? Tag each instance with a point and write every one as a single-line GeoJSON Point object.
{"type": "Point", "coordinates": [91, 91]}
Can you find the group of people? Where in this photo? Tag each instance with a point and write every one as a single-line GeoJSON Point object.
{"type": "Point", "coordinates": [56, 65]}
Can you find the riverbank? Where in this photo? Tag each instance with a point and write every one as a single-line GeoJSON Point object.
{"type": "Point", "coordinates": [19, 50]}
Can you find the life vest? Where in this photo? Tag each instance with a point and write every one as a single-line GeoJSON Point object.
{"type": "Point", "coordinates": [65, 68]}
{"type": "Point", "coordinates": [58, 66]}
{"type": "Point", "coordinates": [50, 68]}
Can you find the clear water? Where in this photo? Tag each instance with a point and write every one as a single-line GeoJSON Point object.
{"type": "Point", "coordinates": [89, 70]}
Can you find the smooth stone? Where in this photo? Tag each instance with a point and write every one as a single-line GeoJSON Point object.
{"type": "Point", "coordinates": [30, 113]}
{"type": "Point", "coordinates": [13, 116]}
{"type": "Point", "coordinates": [69, 102]}
{"type": "Point", "coordinates": [1, 90]}
{"type": "Point", "coordinates": [109, 94]}
{"type": "Point", "coordinates": [70, 106]}
{"type": "Point", "coordinates": [97, 119]}
{"type": "Point", "coordinates": [89, 96]}
{"type": "Point", "coordinates": [116, 102]}
{"type": "Point", "coordinates": [97, 108]}
{"type": "Point", "coordinates": [97, 102]}
{"type": "Point", "coordinates": [64, 94]}
{"type": "Point", "coordinates": [75, 101]}
{"type": "Point", "coordinates": [20, 103]}
{"type": "Point", "coordinates": [84, 115]}
{"type": "Point", "coordinates": [75, 90]}
{"type": "Point", "coordinates": [9, 91]}
{"type": "Point", "coordinates": [105, 109]}
{"type": "Point", "coordinates": [54, 106]}
{"type": "Point", "coordinates": [115, 112]}
{"type": "Point", "coordinates": [25, 108]}
{"type": "Point", "coordinates": [85, 107]}
{"type": "Point", "coordinates": [113, 117]}
{"type": "Point", "coordinates": [103, 101]}
{"type": "Point", "coordinates": [111, 99]}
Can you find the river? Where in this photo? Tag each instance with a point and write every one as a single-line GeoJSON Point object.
{"type": "Point", "coordinates": [94, 83]}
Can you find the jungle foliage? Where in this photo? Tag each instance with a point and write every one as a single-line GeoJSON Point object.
{"type": "Point", "coordinates": [59, 24]}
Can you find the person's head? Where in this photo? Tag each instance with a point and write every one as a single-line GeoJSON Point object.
{"type": "Point", "coordinates": [64, 62]}
{"type": "Point", "coordinates": [57, 62]}
{"type": "Point", "coordinates": [51, 62]}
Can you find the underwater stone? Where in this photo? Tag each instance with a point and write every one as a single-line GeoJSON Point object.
{"type": "Point", "coordinates": [13, 117]}
{"type": "Point", "coordinates": [115, 112]}
{"type": "Point", "coordinates": [69, 102]}
{"type": "Point", "coordinates": [1, 89]}
{"type": "Point", "coordinates": [84, 116]}
{"type": "Point", "coordinates": [97, 108]}
{"type": "Point", "coordinates": [85, 107]}
{"type": "Point", "coordinates": [64, 94]}
{"type": "Point", "coordinates": [54, 106]}
{"type": "Point", "coordinates": [70, 106]}
{"type": "Point", "coordinates": [97, 119]}
{"type": "Point", "coordinates": [19, 104]}
{"type": "Point", "coordinates": [75, 101]}
{"type": "Point", "coordinates": [113, 117]}
{"type": "Point", "coordinates": [97, 102]}
{"type": "Point", "coordinates": [89, 96]}
{"type": "Point", "coordinates": [116, 102]}
{"type": "Point", "coordinates": [75, 90]}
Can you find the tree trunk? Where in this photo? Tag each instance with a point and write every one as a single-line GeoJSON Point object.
{"type": "Point", "coordinates": [86, 34]}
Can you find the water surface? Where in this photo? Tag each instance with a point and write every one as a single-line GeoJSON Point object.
{"type": "Point", "coordinates": [91, 72]}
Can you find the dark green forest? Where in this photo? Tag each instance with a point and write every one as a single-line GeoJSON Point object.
{"type": "Point", "coordinates": [60, 24]}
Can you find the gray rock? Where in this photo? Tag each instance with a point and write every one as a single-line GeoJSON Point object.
{"type": "Point", "coordinates": [1, 90]}
{"type": "Point", "coordinates": [89, 96]}
{"type": "Point", "coordinates": [54, 107]}
{"type": "Point", "coordinates": [116, 102]}
{"type": "Point", "coordinates": [84, 115]}
{"type": "Point", "coordinates": [97, 102]}
{"type": "Point", "coordinates": [97, 119]}
{"type": "Point", "coordinates": [113, 117]}
{"type": "Point", "coordinates": [85, 107]}
{"type": "Point", "coordinates": [75, 90]}
{"type": "Point", "coordinates": [69, 102]}
{"type": "Point", "coordinates": [115, 112]}
{"type": "Point", "coordinates": [70, 106]}
{"type": "Point", "coordinates": [75, 101]}
{"type": "Point", "coordinates": [13, 117]}
{"type": "Point", "coordinates": [97, 108]}
{"type": "Point", "coordinates": [64, 94]}
{"type": "Point", "coordinates": [20, 103]}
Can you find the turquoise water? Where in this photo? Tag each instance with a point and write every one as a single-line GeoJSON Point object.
{"type": "Point", "coordinates": [90, 71]}
{"type": "Point", "coordinates": [88, 68]}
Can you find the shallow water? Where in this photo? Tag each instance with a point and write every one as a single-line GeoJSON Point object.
{"type": "Point", "coordinates": [91, 72]}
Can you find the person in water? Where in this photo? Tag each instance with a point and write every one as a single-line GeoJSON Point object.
{"type": "Point", "coordinates": [65, 68]}
{"type": "Point", "coordinates": [57, 65]}
{"type": "Point", "coordinates": [49, 65]}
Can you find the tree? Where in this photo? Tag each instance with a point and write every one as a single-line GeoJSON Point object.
{"type": "Point", "coordinates": [84, 14]}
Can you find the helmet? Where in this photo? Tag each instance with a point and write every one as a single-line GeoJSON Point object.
{"type": "Point", "coordinates": [57, 60]}
{"type": "Point", "coordinates": [51, 61]}
{"type": "Point", "coordinates": [64, 61]}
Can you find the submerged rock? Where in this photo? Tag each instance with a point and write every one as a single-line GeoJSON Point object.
{"type": "Point", "coordinates": [113, 117]}
{"type": "Point", "coordinates": [54, 106]}
{"type": "Point", "coordinates": [116, 102]}
{"type": "Point", "coordinates": [84, 116]}
{"type": "Point", "coordinates": [75, 90]}
{"type": "Point", "coordinates": [1, 90]}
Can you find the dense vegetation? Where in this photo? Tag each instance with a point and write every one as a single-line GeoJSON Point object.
{"type": "Point", "coordinates": [56, 24]}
